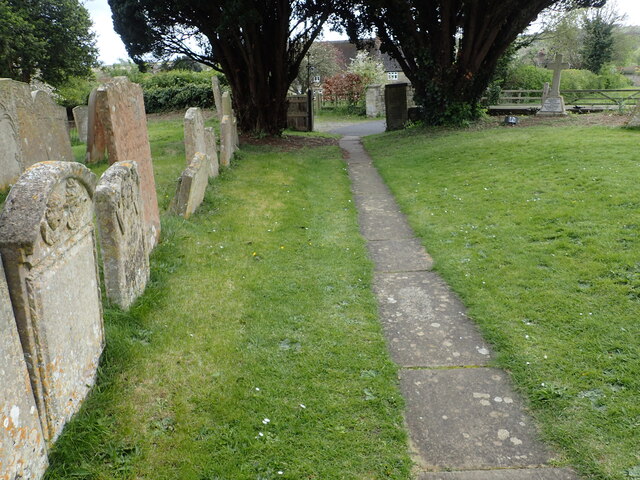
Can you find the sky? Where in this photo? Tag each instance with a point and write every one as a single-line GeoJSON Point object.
{"type": "Point", "coordinates": [112, 50]}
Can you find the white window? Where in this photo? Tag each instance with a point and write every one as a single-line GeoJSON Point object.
{"type": "Point", "coordinates": [316, 79]}
{"type": "Point", "coordinates": [392, 75]}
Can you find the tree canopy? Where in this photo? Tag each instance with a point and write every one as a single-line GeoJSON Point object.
{"type": "Point", "coordinates": [259, 45]}
{"type": "Point", "coordinates": [48, 39]}
{"type": "Point", "coordinates": [448, 49]}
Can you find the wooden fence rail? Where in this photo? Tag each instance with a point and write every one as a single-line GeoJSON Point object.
{"type": "Point", "coordinates": [617, 98]}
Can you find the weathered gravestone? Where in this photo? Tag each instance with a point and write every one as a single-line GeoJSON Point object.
{"type": "Point", "coordinates": [227, 109]}
{"type": "Point", "coordinates": [118, 123]}
{"type": "Point", "coordinates": [22, 446]}
{"type": "Point", "coordinates": [124, 251]}
{"type": "Point", "coordinates": [81, 119]}
{"type": "Point", "coordinates": [217, 95]}
{"type": "Point", "coordinates": [226, 141]}
{"type": "Point", "coordinates": [212, 150]}
{"type": "Point", "coordinates": [192, 186]}
{"type": "Point", "coordinates": [553, 102]}
{"type": "Point", "coordinates": [395, 98]}
{"type": "Point", "coordinates": [198, 138]}
{"type": "Point", "coordinates": [33, 128]}
{"type": "Point", "coordinates": [48, 247]}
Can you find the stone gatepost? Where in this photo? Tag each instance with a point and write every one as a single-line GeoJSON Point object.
{"type": "Point", "coordinates": [125, 253]}
{"type": "Point", "coordinates": [375, 101]}
{"type": "Point", "coordinates": [48, 247]}
{"type": "Point", "coordinates": [22, 445]}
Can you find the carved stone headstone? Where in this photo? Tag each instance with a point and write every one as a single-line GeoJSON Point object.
{"type": "Point", "coordinates": [117, 120]}
{"type": "Point", "coordinates": [211, 150]}
{"type": "Point", "coordinates": [48, 247]}
{"type": "Point", "coordinates": [192, 186]}
{"type": "Point", "coordinates": [81, 119]}
{"type": "Point", "coordinates": [124, 252]}
{"type": "Point", "coordinates": [553, 104]}
{"type": "Point", "coordinates": [217, 95]}
{"type": "Point", "coordinates": [22, 445]}
{"type": "Point", "coordinates": [32, 129]}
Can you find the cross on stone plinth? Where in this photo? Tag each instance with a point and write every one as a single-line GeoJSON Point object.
{"type": "Point", "coordinates": [557, 67]}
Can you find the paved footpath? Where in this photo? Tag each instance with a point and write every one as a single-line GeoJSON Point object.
{"type": "Point", "coordinates": [465, 421]}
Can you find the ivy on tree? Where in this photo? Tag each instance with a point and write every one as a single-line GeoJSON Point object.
{"type": "Point", "coordinates": [448, 49]}
{"type": "Point", "coordinates": [259, 45]}
{"type": "Point", "coordinates": [47, 39]}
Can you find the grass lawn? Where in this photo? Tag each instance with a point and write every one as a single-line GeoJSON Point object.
{"type": "Point", "coordinates": [255, 352]}
{"type": "Point", "coordinates": [538, 230]}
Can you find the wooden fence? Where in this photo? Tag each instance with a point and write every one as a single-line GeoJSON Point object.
{"type": "Point", "coordinates": [605, 99]}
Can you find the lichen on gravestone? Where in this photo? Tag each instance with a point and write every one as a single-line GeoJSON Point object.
{"type": "Point", "coordinates": [122, 238]}
{"type": "Point", "coordinates": [22, 446]}
{"type": "Point", "coordinates": [48, 247]}
{"type": "Point", "coordinates": [191, 187]}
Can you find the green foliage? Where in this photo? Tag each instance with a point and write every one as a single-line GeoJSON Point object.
{"type": "Point", "coordinates": [540, 239]}
{"type": "Point", "coordinates": [526, 77]}
{"type": "Point", "coordinates": [75, 91]}
{"type": "Point", "coordinates": [47, 39]}
{"type": "Point", "coordinates": [177, 89]}
{"type": "Point", "coordinates": [597, 48]}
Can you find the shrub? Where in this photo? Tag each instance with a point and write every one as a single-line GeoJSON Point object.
{"type": "Point", "coordinates": [527, 77]}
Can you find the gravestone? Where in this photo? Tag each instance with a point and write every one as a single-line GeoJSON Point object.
{"type": "Point", "coordinates": [226, 141]}
{"type": "Point", "coordinates": [192, 186]}
{"type": "Point", "coordinates": [124, 251]}
{"type": "Point", "coordinates": [553, 104]}
{"type": "Point", "coordinates": [33, 128]}
{"type": "Point", "coordinates": [22, 446]}
{"type": "Point", "coordinates": [217, 95]}
{"type": "Point", "coordinates": [395, 99]}
{"type": "Point", "coordinates": [118, 122]}
{"type": "Point", "coordinates": [211, 150]}
{"type": "Point", "coordinates": [81, 118]}
{"type": "Point", "coordinates": [48, 247]}
{"type": "Point", "coordinates": [194, 138]}
{"type": "Point", "coordinates": [227, 109]}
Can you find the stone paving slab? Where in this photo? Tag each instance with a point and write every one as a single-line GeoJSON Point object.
{"type": "Point", "coordinates": [383, 225]}
{"type": "Point", "coordinates": [403, 255]}
{"type": "Point", "coordinates": [469, 419]}
{"type": "Point", "coordinates": [522, 474]}
{"type": "Point", "coordinates": [425, 323]}
{"type": "Point", "coordinates": [366, 181]}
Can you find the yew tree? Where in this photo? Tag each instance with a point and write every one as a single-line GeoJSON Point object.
{"type": "Point", "coordinates": [258, 45]}
{"type": "Point", "coordinates": [448, 49]}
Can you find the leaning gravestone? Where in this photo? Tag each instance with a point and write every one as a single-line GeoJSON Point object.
{"type": "Point", "coordinates": [553, 102]}
{"type": "Point", "coordinates": [192, 186]}
{"type": "Point", "coordinates": [118, 122]}
{"type": "Point", "coordinates": [48, 247]}
{"type": "Point", "coordinates": [198, 138]}
{"type": "Point", "coordinates": [32, 129]}
{"type": "Point", "coordinates": [227, 110]}
{"type": "Point", "coordinates": [124, 252]}
{"type": "Point", "coordinates": [81, 119]}
{"type": "Point", "coordinates": [22, 446]}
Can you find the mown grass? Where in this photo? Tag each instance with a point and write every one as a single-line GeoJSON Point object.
{"type": "Point", "coordinates": [538, 230]}
{"type": "Point", "coordinates": [255, 352]}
